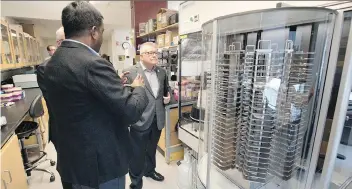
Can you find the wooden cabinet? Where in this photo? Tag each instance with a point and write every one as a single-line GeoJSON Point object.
{"type": "Point", "coordinates": [18, 49]}
{"type": "Point", "coordinates": [16, 32]}
{"type": "Point", "coordinates": [29, 50]}
{"type": "Point", "coordinates": [169, 143]}
{"type": "Point", "coordinates": [6, 47]}
{"type": "Point", "coordinates": [13, 175]}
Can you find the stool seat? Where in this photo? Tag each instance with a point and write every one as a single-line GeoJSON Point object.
{"type": "Point", "coordinates": [26, 128]}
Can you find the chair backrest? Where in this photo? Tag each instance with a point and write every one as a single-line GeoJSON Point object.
{"type": "Point", "coordinates": [36, 109]}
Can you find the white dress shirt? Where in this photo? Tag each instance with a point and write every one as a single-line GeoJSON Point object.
{"type": "Point", "coordinates": [92, 50]}
{"type": "Point", "coordinates": [152, 79]}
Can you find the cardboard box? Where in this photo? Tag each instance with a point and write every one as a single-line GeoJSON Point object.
{"type": "Point", "coordinates": [151, 25]}
{"type": "Point", "coordinates": [158, 20]}
{"type": "Point", "coordinates": [142, 28]}
{"type": "Point", "coordinates": [161, 40]}
{"type": "Point", "coordinates": [175, 40]}
{"type": "Point", "coordinates": [169, 36]}
{"type": "Point", "coordinates": [146, 28]}
{"type": "Point", "coordinates": [173, 139]}
{"type": "Point", "coordinates": [163, 17]}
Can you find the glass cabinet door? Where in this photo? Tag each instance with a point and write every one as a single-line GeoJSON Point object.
{"type": "Point", "coordinates": [6, 56]}
{"type": "Point", "coordinates": [22, 48]}
{"type": "Point", "coordinates": [16, 47]}
{"type": "Point", "coordinates": [191, 67]}
{"type": "Point", "coordinates": [29, 50]}
{"type": "Point", "coordinates": [337, 164]}
{"type": "Point", "coordinates": [34, 51]}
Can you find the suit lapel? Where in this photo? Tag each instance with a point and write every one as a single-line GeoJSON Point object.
{"type": "Point", "coordinates": [160, 76]}
{"type": "Point", "coordinates": [146, 82]}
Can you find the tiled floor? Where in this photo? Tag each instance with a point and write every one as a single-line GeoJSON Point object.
{"type": "Point", "coordinates": [40, 180]}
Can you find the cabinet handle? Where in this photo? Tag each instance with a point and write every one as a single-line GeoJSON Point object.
{"type": "Point", "coordinates": [9, 172]}
{"type": "Point", "coordinates": [5, 184]}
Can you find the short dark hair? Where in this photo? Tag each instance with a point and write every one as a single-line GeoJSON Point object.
{"type": "Point", "coordinates": [78, 17]}
{"type": "Point", "coordinates": [48, 47]}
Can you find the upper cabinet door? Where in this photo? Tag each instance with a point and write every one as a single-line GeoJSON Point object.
{"type": "Point", "coordinates": [17, 49]}
{"type": "Point", "coordinates": [6, 49]}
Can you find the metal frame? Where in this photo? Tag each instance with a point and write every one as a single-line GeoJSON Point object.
{"type": "Point", "coordinates": [323, 110]}
{"type": "Point", "coordinates": [339, 115]}
{"type": "Point", "coordinates": [213, 71]}
{"type": "Point", "coordinates": [267, 10]}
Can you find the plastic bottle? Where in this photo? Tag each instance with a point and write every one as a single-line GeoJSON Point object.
{"type": "Point", "coordinates": [184, 180]}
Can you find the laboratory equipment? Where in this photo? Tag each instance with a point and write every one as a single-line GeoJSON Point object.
{"type": "Point", "coordinates": [264, 74]}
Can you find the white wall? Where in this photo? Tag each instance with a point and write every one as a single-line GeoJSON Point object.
{"type": "Point", "coordinates": [10, 20]}
{"type": "Point", "coordinates": [208, 10]}
{"type": "Point", "coordinates": [174, 5]}
{"type": "Point", "coordinates": [45, 43]}
{"type": "Point", "coordinates": [118, 37]}
{"type": "Point", "coordinates": [105, 47]}
{"type": "Point", "coordinates": [51, 10]}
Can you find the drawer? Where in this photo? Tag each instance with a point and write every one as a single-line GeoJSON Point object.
{"type": "Point", "coordinates": [188, 137]}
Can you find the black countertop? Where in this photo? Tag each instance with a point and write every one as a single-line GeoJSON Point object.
{"type": "Point", "coordinates": [16, 113]}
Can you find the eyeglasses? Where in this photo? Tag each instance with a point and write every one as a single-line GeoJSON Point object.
{"type": "Point", "coordinates": [151, 53]}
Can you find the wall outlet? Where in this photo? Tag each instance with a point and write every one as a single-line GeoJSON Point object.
{"type": "Point", "coordinates": [196, 18]}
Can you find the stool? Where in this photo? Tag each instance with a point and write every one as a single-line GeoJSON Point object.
{"type": "Point", "coordinates": [27, 129]}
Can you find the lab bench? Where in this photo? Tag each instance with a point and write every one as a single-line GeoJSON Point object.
{"type": "Point", "coordinates": [169, 144]}
{"type": "Point", "coordinates": [12, 170]}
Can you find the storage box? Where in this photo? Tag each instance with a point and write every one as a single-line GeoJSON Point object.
{"type": "Point", "coordinates": [168, 38]}
{"type": "Point", "coordinates": [25, 81]}
{"type": "Point", "coordinates": [142, 28]}
{"type": "Point", "coordinates": [158, 20]}
{"type": "Point", "coordinates": [163, 17]}
{"type": "Point", "coordinates": [175, 40]}
{"type": "Point", "coordinates": [169, 35]}
{"type": "Point", "coordinates": [173, 19]}
{"type": "Point", "coordinates": [161, 40]}
{"type": "Point", "coordinates": [173, 139]}
{"type": "Point", "coordinates": [151, 25]}
{"type": "Point", "coordinates": [147, 28]}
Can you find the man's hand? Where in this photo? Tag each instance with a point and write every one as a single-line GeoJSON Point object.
{"type": "Point", "coordinates": [167, 98]}
{"type": "Point", "coordinates": [138, 82]}
{"type": "Point", "coordinates": [123, 77]}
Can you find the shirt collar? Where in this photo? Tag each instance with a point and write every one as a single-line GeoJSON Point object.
{"type": "Point", "coordinates": [75, 41]}
{"type": "Point", "coordinates": [145, 69]}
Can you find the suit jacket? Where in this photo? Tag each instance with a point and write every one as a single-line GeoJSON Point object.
{"type": "Point", "coordinates": [40, 80]}
{"type": "Point", "coordinates": [92, 113]}
{"type": "Point", "coordinates": [155, 105]}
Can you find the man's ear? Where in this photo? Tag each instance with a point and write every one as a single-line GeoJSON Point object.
{"type": "Point", "coordinates": [94, 32]}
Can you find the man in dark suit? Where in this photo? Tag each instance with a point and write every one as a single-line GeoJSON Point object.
{"type": "Point", "coordinates": [60, 36]}
{"type": "Point", "coordinates": [146, 132]}
{"type": "Point", "coordinates": [92, 108]}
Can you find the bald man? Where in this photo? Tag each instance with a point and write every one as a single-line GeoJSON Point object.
{"type": "Point", "coordinates": [60, 36]}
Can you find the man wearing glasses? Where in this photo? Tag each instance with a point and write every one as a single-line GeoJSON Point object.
{"type": "Point", "coordinates": [145, 134]}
